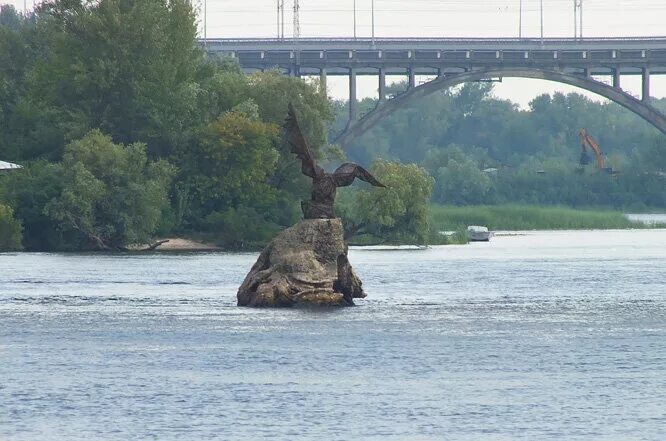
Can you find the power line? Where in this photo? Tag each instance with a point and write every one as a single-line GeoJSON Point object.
{"type": "Point", "coordinates": [450, 15]}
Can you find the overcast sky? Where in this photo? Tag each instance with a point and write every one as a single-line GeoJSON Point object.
{"type": "Point", "coordinates": [441, 18]}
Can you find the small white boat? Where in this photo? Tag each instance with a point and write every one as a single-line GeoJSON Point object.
{"type": "Point", "coordinates": [8, 166]}
{"type": "Point", "coordinates": [476, 233]}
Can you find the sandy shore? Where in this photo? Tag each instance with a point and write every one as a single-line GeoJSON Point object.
{"type": "Point", "coordinates": [179, 244]}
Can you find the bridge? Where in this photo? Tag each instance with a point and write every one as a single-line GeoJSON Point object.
{"type": "Point", "coordinates": [452, 61]}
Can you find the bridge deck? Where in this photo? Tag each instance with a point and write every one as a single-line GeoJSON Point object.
{"type": "Point", "coordinates": [432, 56]}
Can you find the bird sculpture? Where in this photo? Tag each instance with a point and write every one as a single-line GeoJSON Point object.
{"type": "Point", "coordinates": [324, 185]}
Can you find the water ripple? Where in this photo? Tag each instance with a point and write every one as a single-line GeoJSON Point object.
{"type": "Point", "coordinates": [539, 336]}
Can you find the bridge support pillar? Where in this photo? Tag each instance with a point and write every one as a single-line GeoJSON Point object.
{"type": "Point", "coordinates": [412, 78]}
{"type": "Point", "coordinates": [646, 85]}
{"type": "Point", "coordinates": [616, 78]}
{"type": "Point", "coordinates": [353, 109]}
{"type": "Point", "coordinates": [382, 84]}
{"type": "Point", "coordinates": [323, 86]}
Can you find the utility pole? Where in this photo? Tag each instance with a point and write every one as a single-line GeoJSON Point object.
{"type": "Point", "coordinates": [278, 19]}
{"type": "Point", "coordinates": [575, 19]}
{"type": "Point", "coordinates": [580, 6]}
{"type": "Point", "coordinates": [354, 19]}
{"type": "Point", "coordinates": [297, 22]}
{"type": "Point", "coordinates": [373, 23]}
{"type": "Point", "coordinates": [282, 8]}
{"type": "Point", "coordinates": [520, 20]}
{"type": "Point", "coordinates": [541, 22]}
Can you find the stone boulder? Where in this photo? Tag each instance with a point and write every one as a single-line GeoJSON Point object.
{"type": "Point", "coordinates": [304, 265]}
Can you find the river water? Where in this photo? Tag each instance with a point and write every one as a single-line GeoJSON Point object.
{"type": "Point", "coordinates": [538, 336]}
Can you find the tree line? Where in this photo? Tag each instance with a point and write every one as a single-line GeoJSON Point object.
{"type": "Point", "coordinates": [483, 150]}
{"type": "Point", "coordinates": [128, 131]}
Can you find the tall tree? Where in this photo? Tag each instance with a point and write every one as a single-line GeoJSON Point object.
{"type": "Point", "coordinates": [112, 195]}
{"type": "Point", "coordinates": [397, 213]}
{"type": "Point", "coordinates": [126, 67]}
{"type": "Point", "coordinates": [230, 163]}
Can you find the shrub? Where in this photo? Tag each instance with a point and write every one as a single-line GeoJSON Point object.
{"type": "Point", "coordinates": [10, 230]}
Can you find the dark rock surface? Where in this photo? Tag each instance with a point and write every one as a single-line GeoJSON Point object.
{"type": "Point", "coordinates": [304, 265]}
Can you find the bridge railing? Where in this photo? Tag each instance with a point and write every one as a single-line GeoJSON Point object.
{"type": "Point", "coordinates": [434, 40]}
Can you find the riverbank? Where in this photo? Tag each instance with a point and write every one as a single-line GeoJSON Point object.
{"type": "Point", "coordinates": [455, 221]}
{"type": "Point", "coordinates": [181, 244]}
{"type": "Point", "coordinates": [176, 244]}
{"type": "Point", "coordinates": [528, 217]}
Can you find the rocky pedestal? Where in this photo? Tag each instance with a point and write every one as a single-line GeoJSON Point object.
{"type": "Point", "coordinates": [304, 265]}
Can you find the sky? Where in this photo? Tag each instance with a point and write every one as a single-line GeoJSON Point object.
{"type": "Point", "coordinates": [440, 18]}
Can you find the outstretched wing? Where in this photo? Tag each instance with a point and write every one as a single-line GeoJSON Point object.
{"type": "Point", "coordinates": [299, 145]}
{"type": "Point", "coordinates": [346, 173]}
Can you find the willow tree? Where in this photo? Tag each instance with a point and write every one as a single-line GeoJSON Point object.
{"type": "Point", "coordinates": [112, 196]}
{"type": "Point", "coordinates": [398, 213]}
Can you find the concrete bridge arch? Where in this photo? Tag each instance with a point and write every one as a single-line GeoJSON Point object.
{"type": "Point", "coordinates": [385, 107]}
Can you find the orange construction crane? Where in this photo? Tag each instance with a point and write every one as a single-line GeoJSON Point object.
{"type": "Point", "coordinates": [587, 141]}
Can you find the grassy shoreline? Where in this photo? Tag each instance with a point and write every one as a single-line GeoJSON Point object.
{"type": "Point", "coordinates": [528, 217]}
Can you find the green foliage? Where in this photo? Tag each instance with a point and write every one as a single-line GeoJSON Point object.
{"type": "Point", "coordinates": [10, 230]}
{"type": "Point", "coordinates": [273, 92]}
{"type": "Point", "coordinates": [398, 213]}
{"type": "Point", "coordinates": [231, 161]}
{"type": "Point", "coordinates": [240, 228]}
{"type": "Point", "coordinates": [226, 174]}
{"type": "Point", "coordinates": [460, 181]}
{"type": "Point", "coordinates": [525, 217]}
{"type": "Point", "coordinates": [134, 71]}
{"type": "Point", "coordinates": [25, 131]}
{"type": "Point", "coordinates": [457, 134]}
{"type": "Point", "coordinates": [112, 196]}
{"type": "Point", "coordinates": [238, 164]}
{"type": "Point", "coordinates": [28, 191]}
{"type": "Point", "coordinates": [126, 67]}
{"type": "Point", "coordinates": [458, 237]}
